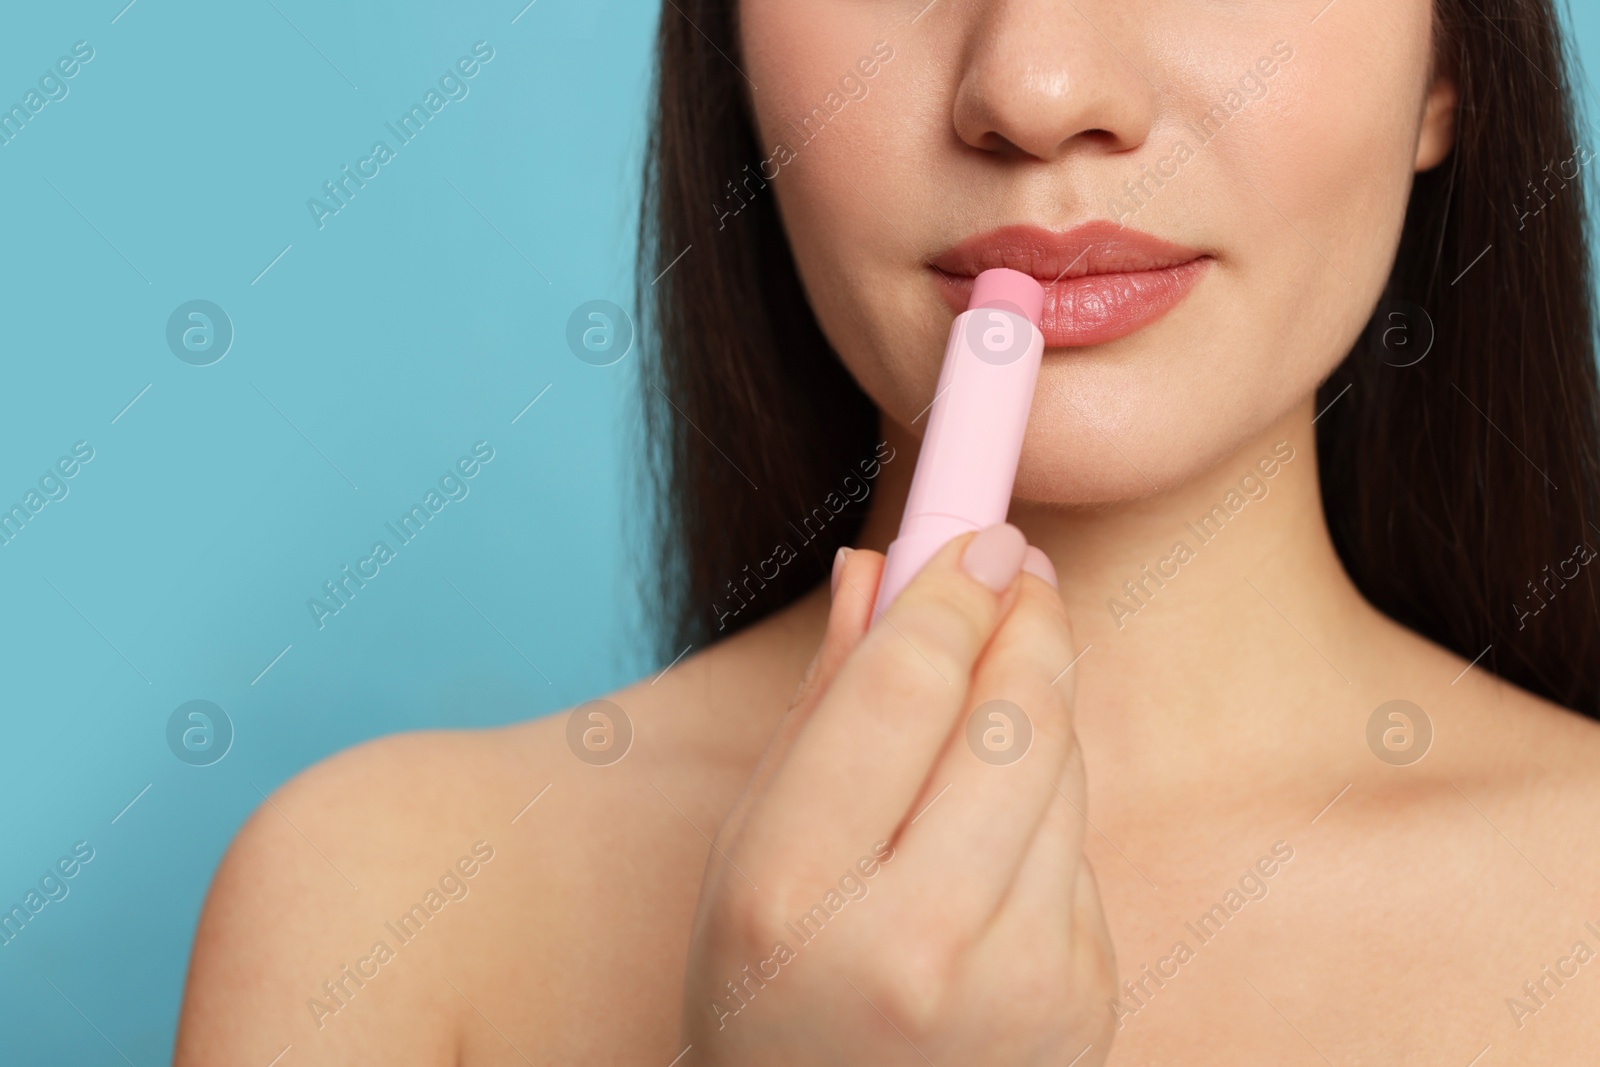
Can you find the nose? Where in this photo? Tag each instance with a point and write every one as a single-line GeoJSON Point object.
{"type": "Point", "coordinates": [1039, 79]}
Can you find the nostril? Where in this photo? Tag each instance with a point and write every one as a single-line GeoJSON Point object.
{"type": "Point", "coordinates": [1000, 144]}
{"type": "Point", "coordinates": [1103, 140]}
{"type": "Point", "coordinates": [994, 142]}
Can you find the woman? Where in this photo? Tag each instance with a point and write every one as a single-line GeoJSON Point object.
{"type": "Point", "coordinates": [1294, 629]}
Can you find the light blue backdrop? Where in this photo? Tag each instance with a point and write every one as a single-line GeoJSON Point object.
{"type": "Point", "coordinates": [369, 355]}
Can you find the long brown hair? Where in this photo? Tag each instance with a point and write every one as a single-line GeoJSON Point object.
{"type": "Point", "coordinates": [1461, 489]}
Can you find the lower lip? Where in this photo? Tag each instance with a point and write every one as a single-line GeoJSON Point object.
{"type": "Point", "coordinates": [1098, 308]}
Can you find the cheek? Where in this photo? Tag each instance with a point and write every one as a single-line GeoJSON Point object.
{"type": "Point", "coordinates": [1312, 180]}
{"type": "Point", "coordinates": [849, 171]}
{"type": "Point", "coordinates": [1332, 165]}
{"type": "Point", "coordinates": [1326, 164]}
{"type": "Point", "coordinates": [799, 58]}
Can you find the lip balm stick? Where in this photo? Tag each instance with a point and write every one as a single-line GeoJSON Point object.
{"type": "Point", "coordinates": [968, 460]}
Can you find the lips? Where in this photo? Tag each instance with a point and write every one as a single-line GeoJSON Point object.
{"type": "Point", "coordinates": [1101, 281]}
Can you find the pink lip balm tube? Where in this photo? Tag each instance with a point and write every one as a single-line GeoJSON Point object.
{"type": "Point", "coordinates": [968, 460]}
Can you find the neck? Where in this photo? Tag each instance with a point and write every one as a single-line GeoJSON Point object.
{"type": "Point", "coordinates": [1205, 614]}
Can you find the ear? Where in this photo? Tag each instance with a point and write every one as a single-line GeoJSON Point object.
{"type": "Point", "coordinates": [1438, 133]}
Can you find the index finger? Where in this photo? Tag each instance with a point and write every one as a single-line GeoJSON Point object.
{"type": "Point", "coordinates": [861, 758]}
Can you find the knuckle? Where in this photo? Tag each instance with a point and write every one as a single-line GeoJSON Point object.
{"type": "Point", "coordinates": [914, 667]}
{"type": "Point", "coordinates": [944, 616]}
{"type": "Point", "coordinates": [754, 921]}
{"type": "Point", "coordinates": [1041, 618]}
{"type": "Point", "coordinates": [1026, 659]}
{"type": "Point", "coordinates": [1025, 662]}
{"type": "Point", "coordinates": [913, 988]}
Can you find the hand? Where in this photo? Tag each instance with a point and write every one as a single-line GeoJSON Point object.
{"type": "Point", "coordinates": [881, 894]}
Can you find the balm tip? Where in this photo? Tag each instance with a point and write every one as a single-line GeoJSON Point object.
{"type": "Point", "coordinates": [1002, 286]}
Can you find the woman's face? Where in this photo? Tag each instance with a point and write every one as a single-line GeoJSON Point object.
{"type": "Point", "coordinates": [1243, 167]}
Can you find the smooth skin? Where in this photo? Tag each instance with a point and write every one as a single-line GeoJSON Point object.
{"type": "Point", "coordinates": [1210, 732]}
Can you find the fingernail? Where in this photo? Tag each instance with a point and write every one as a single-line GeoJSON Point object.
{"type": "Point", "coordinates": [838, 568]}
{"type": "Point", "coordinates": [995, 556]}
{"type": "Point", "coordinates": [1035, 562]}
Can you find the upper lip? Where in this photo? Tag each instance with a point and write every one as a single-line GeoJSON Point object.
{"type": "Point", "coordinates": [1048, 255]}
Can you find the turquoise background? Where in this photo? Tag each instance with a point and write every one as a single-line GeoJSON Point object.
{"type": "Point", "coordinates": [394, 338]}
{"type": "Point", "coordinates": [368, 357]}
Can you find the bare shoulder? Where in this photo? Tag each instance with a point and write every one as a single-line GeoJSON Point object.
{"type": "Point", "coordinates": [1461, 857]}
{"type": "Point", "coordinates": [425, 897]}
{"type": "Point", "coordinates": [344, 888]}
{"type": "Point", "coordinates": [1469, 689]}
{"type": "Point", "coordinates": [1530, 764]}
